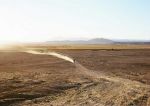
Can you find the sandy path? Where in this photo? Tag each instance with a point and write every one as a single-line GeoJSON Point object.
{"type": "Point", "coordinates": [82, 70]}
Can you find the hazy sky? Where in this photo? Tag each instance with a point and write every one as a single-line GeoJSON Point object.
{"type": "Point", "coordinates": [43, 20]}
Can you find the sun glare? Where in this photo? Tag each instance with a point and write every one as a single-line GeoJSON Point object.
{"type": "Point", "coordinates": [6, 44]}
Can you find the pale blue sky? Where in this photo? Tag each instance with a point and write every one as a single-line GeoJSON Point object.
{"type": "Point", "coordinates": [43, 20]}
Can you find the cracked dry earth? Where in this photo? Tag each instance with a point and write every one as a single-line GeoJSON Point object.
{"type": "Point", "coordinates": [37, 80]}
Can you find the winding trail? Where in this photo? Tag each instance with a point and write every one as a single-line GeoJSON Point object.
{"type": "Point", "coordinates": [78, 66]}
{"type": "Point", "coordinates": [83, 70]}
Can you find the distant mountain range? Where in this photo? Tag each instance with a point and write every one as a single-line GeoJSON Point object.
{"type": "Point", "coordinates": [97, 41]}
{"type": "Point", "coordinates": [92, 41]}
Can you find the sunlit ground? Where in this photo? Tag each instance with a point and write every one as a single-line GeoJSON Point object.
{"type": "Point", "coordinates": [6, 45]}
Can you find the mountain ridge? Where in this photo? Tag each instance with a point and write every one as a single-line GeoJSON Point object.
{"type": "Point", "coordinates": [91, 41]}
{"type": "Point", "coordinates": [99, 41]}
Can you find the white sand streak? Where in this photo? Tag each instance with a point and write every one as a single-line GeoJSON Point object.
{"type": "Point", "coordinates": [52, 54]}
{"type": "Point", "coordinates": [88, 72]}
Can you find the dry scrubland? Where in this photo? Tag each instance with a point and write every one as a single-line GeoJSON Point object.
{"type": "Point", "coordinates": [103, 75]}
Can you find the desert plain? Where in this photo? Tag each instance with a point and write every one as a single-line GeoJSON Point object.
{"type": "Point", "coordinates": [101, 75]}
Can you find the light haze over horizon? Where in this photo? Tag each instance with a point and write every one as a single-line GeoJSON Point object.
{"type": "Point", "coordinates": [46, 20]}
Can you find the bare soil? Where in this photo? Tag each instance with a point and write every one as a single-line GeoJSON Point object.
{"type": "Point", "coordinates": [98, 78]}
{"type": "Point", "coordinates": [131, 64]}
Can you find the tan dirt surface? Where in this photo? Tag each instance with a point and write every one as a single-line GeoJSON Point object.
{"type": "Point", "coordinates": [97, 78]}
